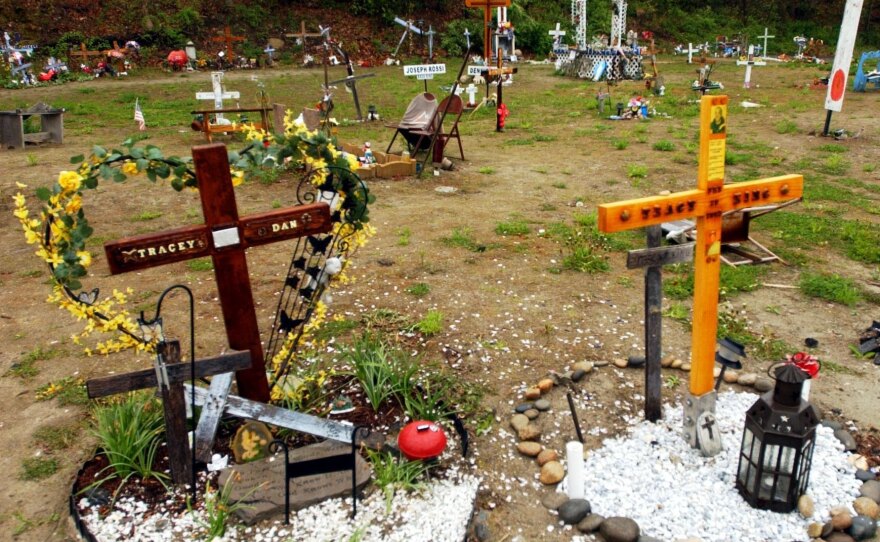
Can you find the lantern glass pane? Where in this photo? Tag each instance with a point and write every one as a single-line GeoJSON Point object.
{"type": "Point", "coordinates": [783, 484]}
{"type": "Point", "coordinates": [771, 453]}
{"type": "Point", "coordinates": [747, 443]}
{"type": "Point", "coordinates": [786, 463]}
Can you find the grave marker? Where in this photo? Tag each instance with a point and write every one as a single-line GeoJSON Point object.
{"type": "Point", "coordinates": [707, 203]}
{"type": "Point", "coordinates": [83, 54]}
{"type": "Point", "coordinates": [351, 80]}
{"type": "Point", "coordinates": [842, 60]}
{"type": "Point", "coordinates": [748, 63]}
{"type": "Point", "coordinates": [301, 37]}
{"type": "Point", "coordinates": [408, 27]}
{"type": "Point", "coordinates": [557, 37]}
{"type": "Point", "coordinates": [225, 236]}
{"type": "Point", "coordinates": [217, 94]}
{"type": "Point", "coordinates": [486, 6]}
{"type": "Point", "coordinates": [765, 37]}
{"type": "Point", "coordinates": [228, 39]}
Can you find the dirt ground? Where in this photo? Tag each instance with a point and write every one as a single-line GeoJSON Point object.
{"type": "Point", "coordinates": [510, 317]}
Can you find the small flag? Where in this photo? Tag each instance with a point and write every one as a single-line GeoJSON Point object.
{"type": "Point", "coordinates": [139, 116]}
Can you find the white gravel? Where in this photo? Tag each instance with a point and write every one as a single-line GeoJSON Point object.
{"type": "Point", "coordinates": [673, 492]}
{"type": "Point", "coordinates": [439, 513]}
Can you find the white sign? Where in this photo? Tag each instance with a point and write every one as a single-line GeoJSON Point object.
{"type": "Point", "coordinates": [477, 70]}
{"type": "Point", "coordinates": [843, 56]}
{"type": "Point", "coordinates": [424, 69]}
{"type": "Point", "coordinates": [424, 76]}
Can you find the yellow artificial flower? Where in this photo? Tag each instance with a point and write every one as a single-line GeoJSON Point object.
{"type": "Point", "coordinates": [73, 205]}
{"type": "Point", "coordinates": [130, 168]}
{"type": "Point", "coordinates": [69, 181]}
{"type": "Point", "coordinates": [85, 258]}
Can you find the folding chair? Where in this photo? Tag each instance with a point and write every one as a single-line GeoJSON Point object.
{"type": "Point", "coordinates": [451, 105]}
{"type": "Point", "coordinates": [419, 115]}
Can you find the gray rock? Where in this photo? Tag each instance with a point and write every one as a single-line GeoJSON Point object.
{"type": "Point", "coordinates": [871, 489]}
{"type": "Point", "coordinates": [542, 405]}
{"type": "Point", "coordinates": [619, 529]}
{"type": "Point", "coordinates": [845, 438]}
{"type": "Point", "coordinates": [585, 366]}
{"type": "Point", "coordinates": [601, 363]}
{"type": "Point", "coordinates": [862, 528]}
{"type": "Point", "coordinates": [578, 375]}
{"type": "Point", "coordinates": [763, 384]}
{"type": "Point", "coordinates": [635, 361]}
{"type": "Point", "coordinates": [574, 510]}
{"type": "Point", "coordinates": [747, 379]}
{"type": "Point", "coordinates": [518, 421]}
{"type": "Point", "coordinates": [865, 475]}
{"type": "Point", "coordinates": [521, 408]}
{"type": "Point", "coordinates": [833, 425]}
{"type": "Point", "coordinates": [481, 526]}
{"type": "Point", "coordinates": [590, 523]}
{"type": "Point", "coordinates": [649, 539]}
{"type": "Point", "coordinates": [553, 500]}
{"type": "Point", "coordinates": [531, 413]}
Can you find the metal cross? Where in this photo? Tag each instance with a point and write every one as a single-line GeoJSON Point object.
{"type": "Point", "coordinates": [708, 425]}
{"type": "Point", "coordinates": [430, 33]}
{"type": "Point", "coordinates": [269, 50]}
{"type": "Point", "coordinates": [467, 36]}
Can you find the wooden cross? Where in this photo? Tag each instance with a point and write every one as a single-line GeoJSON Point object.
{"type": "Point", "coordinates": [217, 94]}
{"type": "Point", "coordinates": [303, 35]}
{"type": "Point", "coordinates": [557, 35]}
{"type": "Point", "coordinates": [169, 375]}
{"type": "Point", "coordinates": [486, 6]}
{"type": "Point", "coordinates": [707, 203]}
{"type": "Point", "coordinates": [84, 54]}
{"type": "Point", "coordinates": [225, 236]}
{"type": "Point", "coordinates": [765, 37]}
{"type": "Point", "coordinates": [228, 39]}
{"type": "Point", "coordinates": [499, 71]}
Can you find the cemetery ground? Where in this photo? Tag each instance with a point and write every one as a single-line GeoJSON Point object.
{"type": "Point", "coordinates": [501, 280]}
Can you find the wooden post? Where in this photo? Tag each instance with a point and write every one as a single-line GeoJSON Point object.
{"type": "Point", "coordinates": [486, 6]}
{"type": "Point", "coordinates": [174, 405]}
{"type": "Point", "coordinates": [653, 330]}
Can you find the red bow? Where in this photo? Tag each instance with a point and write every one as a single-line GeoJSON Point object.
{"type": "Point", "coordinates": [805, 362]}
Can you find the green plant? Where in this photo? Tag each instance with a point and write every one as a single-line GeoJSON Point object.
{"type": "Point", "coordinates": [69, 391]}
{"type": "Point", "coordinates": [636, 171]}
{"type": "Point", "coordinates": [833, 147]}
{"type": "Point", "coordinates": [664, 145]}
{"type": "Point", "coordinates": [37, 468]}
{"type": "Point", "coordinates": [430, 324]}
{"type": "Point", "coordinates": [129, 431]}
{"type": "Point", "coordinates": [585, 260]}
{"type": "Point", "coordinates": [200, 264]}
{"type": "Point", "coordinates": [55, 437]}
{"type": "Point", "coordinates": [513, 227]}
{"type": "Point", "coordinates": [677, 311]}
{"type": "Point", "coordinates": [786, 127]}
{"type": "Point", "coordinates": [672, 381]}
{"type": "Point", "coordinates": [419, 289]}
{"type": "Point", "coordinates": [25, 369]}
{"type": "Point", "coordinates": [464, 238]}
{"type": "Point", "coordinates": [306, 387]}
{"type": "Point", "coordinates": [218, 507]}
{"type": "Point", "coordinates": [145, 216]}
{"type": "Point", "coordinates": [403, 235]}
{"type": "Point", "coordinates": [391, 474]}
{"type": "Point", "coordinates": [559, 185]}
{"type": "Point", "coordinates": [834, 164]}
{"type": "Point", "coordinates": [32, 159]}
{"type": "Point", "coordinates": [486, 170]}
{"type": "Point", "coordinates": [831, 287]}
{"type": "Point", "coordinates": [620, 144]}
{"type": "Point", "coordinates": [378, 369]}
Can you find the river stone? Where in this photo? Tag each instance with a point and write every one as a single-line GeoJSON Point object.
{"type": "Point", "coordinates": [865, 475]}
{"type": "Point", "coordinates": [620, 362]}
{"type": "Point", "coordinates": [574, 510]}
{"type": "Point", "coordinates": [747, 379]}
{"type": "Point", "coordinates": [667, 361]}
{"type": "Point", "coordinates": [806, 507]}
{"type": "Point", "coordinates": [763, 384]}
{"type": "Point", "coordinates": [731, 377]}
{"type": "Point", "coordinates": [481, 526]}
{"type": "Point", "coordinates": [827, 529]}
{"type": "Point", "coordinates": [676, 363]}
{"type": "Point", "coordinates": [845, 438]}
{"type": "Point", "coordinates": [529, 432]}
{"type": "Point", "coordinates": [546, 456]}
{"type": "Point", "coordinates": [552, 473]}
{"type": "Point", "coordinates": [814, 530]}
{"type": "Point", "coordinates": [866, 507]}
{"type": "Point", "coordinates": [862, 528]}
{"type": "Point", "coordinates": [590, 523]}
{"type": "Point", "coordinates": [545, 385]}
{"type": "Point", "coordinates": [533, 393]}
{"type": "Point", "coordinates": [585, 366]}
{"type": "Point", "coordinates": [832, 424]}
{"type": "Point", "coordinates": [530, 449]}
{"type": "Point", "coordinates": [716, 371]}
{"type": "Point", "coordinates": [523, 407]}
{"type": "Point", "coordinates": [542, 405]}
{"type": "Point", "coordinates": [531, 413]}
{"type": "Point", "coordinates": [518, 421]}
{"type": "Point", "coordinates": [578, 375]}
{"type": "Point", "coordinates": [871, 489]}
{"type": "Point", "coordinates": [858, 461]}
{"type": "Point", "coordinates": [553, 500]}
{"type": "Point", "coordinates": [686, 367]}
{"type": "Point", "coordinates": [601, 363]}
{"type": "Point", "coordinates": [635, 361]}
{"type": "Point", "coordinates": [619, 529]}
{"type": "Point", "coordinates": [841, 521]}
{"type": "Point", "coordinates": [839, 537]}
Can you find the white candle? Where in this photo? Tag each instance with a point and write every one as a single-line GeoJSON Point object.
{"type": "Point", "coordinates": [805, 391]}
{"type": "Point", "coordinates": [574, 452]}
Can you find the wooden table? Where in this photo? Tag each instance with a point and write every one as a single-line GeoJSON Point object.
{"type": "Point", "coordinates": [12, 134]}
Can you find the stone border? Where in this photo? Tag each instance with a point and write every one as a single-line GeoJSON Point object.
{"type": "Point", "coordinates": [621, 529]}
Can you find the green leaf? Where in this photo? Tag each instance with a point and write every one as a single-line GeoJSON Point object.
{"type": "Point", "coordinates": [151, 174]}
{"type": "Point", "coordinates": [44, 193]}
{"type": "Point", "coordinates": [142, 163]}
{"type": "Point", "coordinates": [153, 153]}
{"type": "Point", "coordinates": [177, 184]}
{"type": "Point", "coordinates": [100, 152]}
{"type": "Point", "coordinates": [91, 182]}
{"type": "Point", "coordinates": [74, 285]}
{"type": "Point", "coordinates": [163, 171]}
{"type": "Point", "coordinates": [106, 171]}
{"type": "Point", "coordinates": [137, 153]}
{"type": "Point", "coordinates": [119, 176]}
{"type": "Point", "coordinates": [77, 159]}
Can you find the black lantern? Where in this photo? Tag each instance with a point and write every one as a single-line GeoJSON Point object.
{"type": "Point", "coordinates": [777, 445]}
{"type": "Point", "coordinates": [728, 355]}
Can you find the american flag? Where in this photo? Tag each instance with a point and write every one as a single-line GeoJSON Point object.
{"type": "Point", "coordinates": [139, 116]}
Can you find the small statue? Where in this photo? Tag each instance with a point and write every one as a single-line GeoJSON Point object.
{"type": "Point", "coordinates": [368, 158]}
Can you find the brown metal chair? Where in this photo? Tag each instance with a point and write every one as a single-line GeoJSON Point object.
{"type": "Point", "coordinates": [450, 106]}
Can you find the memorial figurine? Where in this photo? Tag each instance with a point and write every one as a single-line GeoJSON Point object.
{"type": "Point", "coordinates": [368, 158]}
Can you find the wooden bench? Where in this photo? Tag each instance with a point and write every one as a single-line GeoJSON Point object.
{"type": "Point", "coordinates": [208, 129]}
{"type": "Point", "coordinates": [12, 133]}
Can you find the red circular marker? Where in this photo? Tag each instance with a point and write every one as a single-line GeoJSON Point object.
{"type": "Point", "coordinates": [838, 83]}
{"type": "Point", "coordinates": [421, 440]}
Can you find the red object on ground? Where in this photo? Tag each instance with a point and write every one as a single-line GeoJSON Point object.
{"type": "Point", "coordinates": [46, 76]}
{"type": "Point", "coordinates": [421, 440]}
{"type": "Point", "coordinates": [177, 58]}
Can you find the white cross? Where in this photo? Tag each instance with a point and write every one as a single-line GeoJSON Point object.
{"type": "Point", "coordinates": [691, 52]}
{"type": "Point", "coordinates": [765, 37]}
{"type": "Point", "coordinates": [467, 36]}
{"type": "Point", "coordinates": [217, 94]}
{"type": "Point", "coordinates": [557, 34]}
{"type": "Point", "coordinates": [472, 94]}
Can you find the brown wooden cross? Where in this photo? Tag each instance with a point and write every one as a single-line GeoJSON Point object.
{"type": "Point", "coordinates": [225, 237]}
{"type": "Point", "coordinates": [486, 6]}
{"type": "Point", "coordinates": [83, 53]}
{"type": "Point", "coordinates": [303, 35]}
{"type": "Point", "coordinates": [169, 375]}
{"type": "Point", "coordinates": [228, 39]}
{"type": "Point", "coordinates": [707, 203]}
